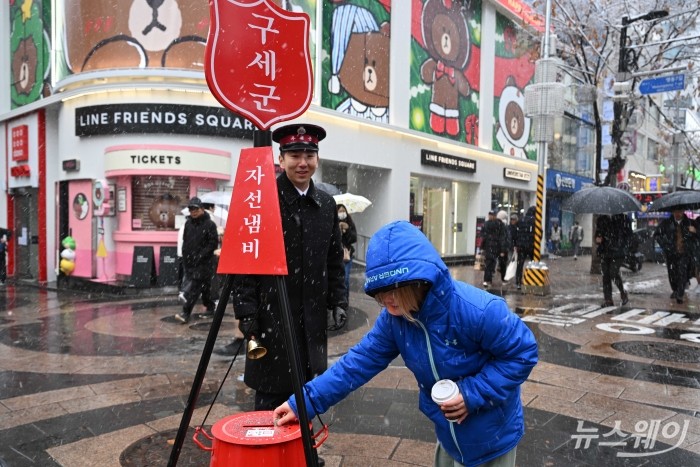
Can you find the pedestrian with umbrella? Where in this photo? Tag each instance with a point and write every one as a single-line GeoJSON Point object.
{"type": "Point", "coordinates": [601, 200]}
{"type": "Point", "coordinates": [612, 235]}
{"type": "Point", "coordinates": [353, 203]}
{"type": "Point", "coordinates": [524, 243]}
{"type": "Point", "coordinates": [349, 238]}
{"type": "Point", "coordinates": [678, 239]}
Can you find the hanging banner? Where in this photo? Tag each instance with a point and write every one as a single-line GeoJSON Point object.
{"type": "Point", "coordinates": [257, 60]}
{"type": "Point", "coordinates": [253, 242]}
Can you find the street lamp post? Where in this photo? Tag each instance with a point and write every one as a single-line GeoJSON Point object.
{"type": "Point", "coordinates": [625, 60]}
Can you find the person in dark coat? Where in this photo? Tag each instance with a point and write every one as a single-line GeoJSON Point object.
{"type": "Point", "coordinates": [524, 243]}
{"type": "Point", "coordinates": [4, 236]}
{"type": "Point", "coordinates": [494, 244]}
{"type": "Point", "coordinates": [200, 240]}
{"type": "Point", "coordinates": [678, 239]}
{"type": "Point", "coordinates": [316, 279]}
{"type": "Point", "coordinates": [349, 236]}
{"type": "Point", "coordinates": [612, 236]}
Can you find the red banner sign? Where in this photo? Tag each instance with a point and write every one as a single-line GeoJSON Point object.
{"type": "Point", "coordinates": [257, 60]}
{"type": "Point", "coordinates": [253, 241]}
{"type": "Point", "coordinates": [20, 143]}
{"type": "Point", "coordinates": [19, 171]}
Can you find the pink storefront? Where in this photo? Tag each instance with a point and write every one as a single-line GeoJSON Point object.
{"type": "Point", "coordinates": [138, 206]}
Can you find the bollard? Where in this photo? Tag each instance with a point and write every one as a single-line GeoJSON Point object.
{"type": "Point", "coordinates": [536, 278]}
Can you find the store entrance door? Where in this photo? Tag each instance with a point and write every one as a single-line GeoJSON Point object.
{"type": "Point", "coordinates": [26, 236]}
{"type": "Point", "coordinates": [436, 221]}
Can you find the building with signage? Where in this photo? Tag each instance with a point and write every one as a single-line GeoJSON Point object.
{"type": "Point", "coordinates": [560, 186]}
{"type": "Point", "coordinates": [110, 127]}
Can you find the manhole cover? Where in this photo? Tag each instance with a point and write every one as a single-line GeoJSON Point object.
{"type": "Point", "coordinates": [155, 450]}
{"type": "Point", "coordinates": [659, 351]}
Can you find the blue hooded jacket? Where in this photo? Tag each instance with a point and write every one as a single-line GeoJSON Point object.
{"type": "Point", "coordinates": [461, 333]}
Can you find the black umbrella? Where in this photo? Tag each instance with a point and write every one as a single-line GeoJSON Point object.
{"type": "Point", "coordinates": [328, 188]}
{"type": "Point", "coordinates": [601, 200]}
{"type": "Point", "coordinates": [684, 200]}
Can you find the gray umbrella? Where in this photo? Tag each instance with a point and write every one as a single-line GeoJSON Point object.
{"type": "Point", "coordinates": [601, 200]}
{"type": "Point", "coordinates": [328, 188]}
{"type": "Point", "coordinates": [684, 200]}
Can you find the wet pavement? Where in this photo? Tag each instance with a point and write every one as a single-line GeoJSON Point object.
{"type": "Point", "coordinates": [88, 380]}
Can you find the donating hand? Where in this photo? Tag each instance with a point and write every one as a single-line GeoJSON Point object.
{"type": "Point", "coordinates": [283, 415]}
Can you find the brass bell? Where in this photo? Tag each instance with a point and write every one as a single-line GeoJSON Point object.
{"type": "Point", "coordinates": [255, 351]}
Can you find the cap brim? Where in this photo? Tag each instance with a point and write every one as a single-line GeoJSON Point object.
{"type": "Point", "coordinates": [396, 285]}
{"type": "Point", "coordinates": [299, 147]}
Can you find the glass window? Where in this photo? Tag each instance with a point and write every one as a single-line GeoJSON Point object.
{"type": "Point", "coordinates": [439, 208]}
{"type": "Point", "coordinates": [509, 200]}
{"type": "Point", "coordinates": [157, 200]}
{"type": "Point", "coordinates": [652, 150]}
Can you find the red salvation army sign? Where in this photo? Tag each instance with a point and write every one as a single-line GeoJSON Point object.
{"type": "Point", "coordinates": [257, 60]}
{"type": "Point", "coordinates": [253, 242]}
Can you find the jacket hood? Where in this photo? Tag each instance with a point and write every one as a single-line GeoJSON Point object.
{"type": "Point", "coordinates": [399, 253]}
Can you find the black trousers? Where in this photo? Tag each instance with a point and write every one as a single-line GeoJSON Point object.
{"type": "Point", "coordinates": [524, 254]}
{"type": "Point", "coordinates": [489, 267]}
{"type": "Point", "coordinates": [610, 268]}
{"type": "Point", "coordinates": [193, 288]}
{"type": "Point", "coordinates": [677, 266]}
{"type": "Point", "coordinates": [3, 266]}
{"type": "Point", "coordinates": [502, 266]}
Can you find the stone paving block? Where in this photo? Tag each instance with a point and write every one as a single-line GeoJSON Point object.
{"type": "Point", "coordinates": [389, 378]}
{"type": "Point", "coordinates": [101, 450]}
{"type": "Point", "coordinates": [594, 386]}
{"type": "Point", "coordinates": [131, 383]}
{"type": "Point", "coordinates": [577, 411]}
{"type": "Point", "coordinates": [626, 407]}
{"type": "Point", "coordinates": [546, 391]}
{"type": "Point", "coordinates": [218, 412]}
{"type": "Point", "coordinates": [664, 395]}
{"type": "Point", "coordinates": [546, 368]}
{"type": "Point", "coordinates": [414, 452]}
{"type": "Point", "coordinates": [693, 422]}
{"type": "Point", "coordinates": [101, 400]}
{"type": "Point", "coordinates": [48, 397]}
{"type": "Point", "coordinates": [374, 448]}
{"type": "Point", "coordinates": [31, 415]}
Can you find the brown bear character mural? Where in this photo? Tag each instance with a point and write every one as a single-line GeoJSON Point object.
{"type": "Point", "coordinates": [360, 63]}
{"type": "Point", "coordinates": [163, 211]}
{"type": "Point", "coordinates": [447, 41]}
{"type": "Point", "coordinates": [135, 34]}
{"type": "Point", "coordinates": [513, 128]}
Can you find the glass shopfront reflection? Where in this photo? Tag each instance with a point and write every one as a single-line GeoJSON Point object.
{"type": "Point", "coordinates": [509, 200]}
{"type": "Point", "coordinates": [439, 207]}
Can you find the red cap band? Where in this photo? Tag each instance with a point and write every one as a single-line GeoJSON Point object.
{"type": "Point", "coordinates": [305, 138]}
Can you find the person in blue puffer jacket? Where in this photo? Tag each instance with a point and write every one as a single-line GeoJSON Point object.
{"type": "Point", "coordinates": [443, 329]}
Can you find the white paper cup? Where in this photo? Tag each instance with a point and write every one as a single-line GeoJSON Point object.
{"type": "Point", "coordinates": [443, 391]}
